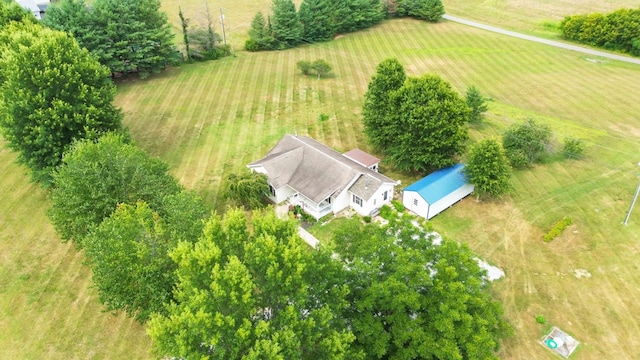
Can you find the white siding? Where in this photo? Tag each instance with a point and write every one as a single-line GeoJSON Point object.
{"type": "Point", "coordinates": [370, 205]}
{"type": "Point", "coordinates": [422, 207]}
{"type": "Point", "coordinates": [444, 203]}
{"type": "Point", "coordinates": [340, 202]}
{"type": "Point", "coordinates": [427, 210]}
{"type": "Point", "coordinates": [282, 194]}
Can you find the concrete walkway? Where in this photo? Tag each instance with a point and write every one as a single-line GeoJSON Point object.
{"type": "Point", "coordinates": [308, 238]}
{"type": "Point", "coordinates": [558, 44]}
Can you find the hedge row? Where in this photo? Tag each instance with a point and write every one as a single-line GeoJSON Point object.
{"type": "Point", "coordinates": [557, 229]}
{"type": "Point", "coordinates": [619, 30]}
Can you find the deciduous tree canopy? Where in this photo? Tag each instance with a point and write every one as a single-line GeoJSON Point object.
{"type": "Point", "coordinates": [128, 256]}
{"type": "Point", "coordinates": [53, 93]}
{"type": "Point", "coordinates": [377, 109]}
{"type": "Point", "coordinates": [97, 176]}
{"type": "Point", "coordinates": [488, 168]}
{"type": "Point", "coordinates": [254, 295]}
{"type": "Point", "coordinates": [526, 143]}
{"type": "Point", "coordinates": [414, 297]}
{"type": "Point", "coordinates": [430, 120]}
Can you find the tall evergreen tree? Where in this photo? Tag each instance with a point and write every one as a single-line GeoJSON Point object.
{"type": "Point", "coordinates": [429, 10]}
{"type": "Point", "coordinates": [286, 27]}
{"type": "Point", "coordinates": [316, 17]}
{"type": "Point", "coordinates": [376, 112]}
{"type": "Point", "coordinates": [476, 103]}
{"type": "Point", "coordinates": [353, 15]}
{"type": "Point", "coordinates": [260, 34]}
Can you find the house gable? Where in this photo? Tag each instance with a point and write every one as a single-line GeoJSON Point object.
{"type": "Point", "coordinates": [318, 173]}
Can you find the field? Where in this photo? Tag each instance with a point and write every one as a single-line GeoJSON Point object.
{"type": "Point", "coordinates": [536, 17]}
{"type": "Point", "coordinates": [209, 119]}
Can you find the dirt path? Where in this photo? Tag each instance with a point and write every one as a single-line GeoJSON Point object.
{"type": "Point", "coordinates": [558, 44]}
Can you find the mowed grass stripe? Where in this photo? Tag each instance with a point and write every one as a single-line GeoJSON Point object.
{"type": "Point", "coordinates": [516, 75]}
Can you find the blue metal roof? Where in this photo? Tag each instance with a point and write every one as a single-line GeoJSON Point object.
{"type": "Point", "coordinates": [439, 183]}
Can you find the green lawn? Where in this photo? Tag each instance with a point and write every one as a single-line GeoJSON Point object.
{"type": "Point", "coordinates": [208, 119]}
{"type": "Point", "coordinates": [536, 17]}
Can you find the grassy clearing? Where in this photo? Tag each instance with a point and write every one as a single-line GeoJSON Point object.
{"type": "Point", "coordinates": [209, 119]}
{"type": "Point", "coordinates": [536, 17]}
{"type": "Point", "coordinates": [212, 118]}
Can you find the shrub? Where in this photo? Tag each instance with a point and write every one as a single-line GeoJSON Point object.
{"type": "Point", "coordinates": [386, 212]}
{"type": "Point", "coordinates": [366, 219]}
{"type": "Point", "coordinates": [325, 218]}
{"type": "Point", "coordinates": [304, 66]}
{"type": "Point", "coordinates": [398, 205]}
{"type": "Point", "coordinates": [573, 148]}
{"type": "Point", "coordinates": [557, 229]}
{"type": "Point", "coordinates": [540, 319]}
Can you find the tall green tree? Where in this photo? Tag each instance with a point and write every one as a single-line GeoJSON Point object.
{"type": "Point", "coordinates": [260, 35]}
{"type": "Point", "coordinates": [429, 10]}
{"type": "Point", "coordinates": [133, 36]}
{"type": "Point", "coordinates": [354, 15]}
{"type": "Point", "coordinates": [184, 23]}
{"type": "Point", "coordinates": [476, 102]}
{"type": "Point", "coordinates": [286, 27]}
{"type": "Point", "coordinates": [377, 109]}
{"type": "Point", "coordinates": [97, 176]}
{"type": "Point", "coordinates": [526, 143]}
{"type": "Point", "coordinates": [260, 294]}
{"type": "Point", "coordinates": [488, 168]}
{"type": "Point", "coordinates": [247, 188]}
{"type": "Point", "coordinates": [53, 93]}
{"type": "Point", "coordinates": [128, 256]}
{"type": "Point", "coordinates": [11, 11]}
{"type": "Point", "coordinates": [74, 17]}
{"type": "Point", "coordinates": [430, 124]}
{"type": "Point", "coordinates": [414, 296]}
{"type": "Point", "coordinates": [316, 17]}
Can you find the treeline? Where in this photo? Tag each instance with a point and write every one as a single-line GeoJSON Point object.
{"type": "Point", "coordinates": [127, 36]}
{"type": "Point", "coordinates": [321, 20]}
{"type": "Point", "coordinates": [619, 30]}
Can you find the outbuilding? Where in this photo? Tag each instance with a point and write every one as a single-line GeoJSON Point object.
{"type": "Point", "coordinates": [436, 192]}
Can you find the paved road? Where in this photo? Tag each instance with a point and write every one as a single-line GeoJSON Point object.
{"type": "Point", "coordinates": [543, 41]}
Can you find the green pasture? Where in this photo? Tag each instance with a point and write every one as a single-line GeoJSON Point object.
{"type": "Point", "coordinates": [536, 17]}
{"type": "Point", "coordinates": [209, 119]}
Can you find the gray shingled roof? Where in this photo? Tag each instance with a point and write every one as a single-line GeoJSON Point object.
{"type": "Point", "coordinates": [315, 170]}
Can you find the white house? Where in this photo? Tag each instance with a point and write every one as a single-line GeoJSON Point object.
{"type": "Point", "coordinates": [321, 180]}
{"type": "Point", "coordinates": [433, 194]}
{"type": "Point", "coordinates": [36, 7]}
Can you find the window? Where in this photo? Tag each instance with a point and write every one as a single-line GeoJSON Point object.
{"type": "Point", "coordinates": [415, 202]}
{"type": "Point", "coordinates": [374, 202]}
{"type": "Point", "coordinates": [384, 196]}
{"type": "Point", "coordinates": [272, 190]}
{"type": "Point", "coordinates": [357, 200]}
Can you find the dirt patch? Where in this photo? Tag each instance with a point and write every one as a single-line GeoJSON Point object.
{"type": "Point", "coordinates": [626, 129]}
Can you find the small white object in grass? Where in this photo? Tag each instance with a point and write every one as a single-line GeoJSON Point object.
{"type": "Point", "coordinates": [580, 273]}
{"type": "Point", "coordinates": [493, 272]}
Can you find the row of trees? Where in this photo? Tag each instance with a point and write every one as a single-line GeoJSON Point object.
{"type": "Point", "coordinates": [321, 20]}
{"type": "Point", "coordinates": [52, 92]}
{"type": "Point", "coordinates": [421, 125]}
{"type": "Point", "coordinates": [127, 36]}
{"type": "Point", "coordinates": [387, 293]}
{"type": "Point", "coordinates": [121, 207]}
{"type": "Point", "coordinates": [618, 30]}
